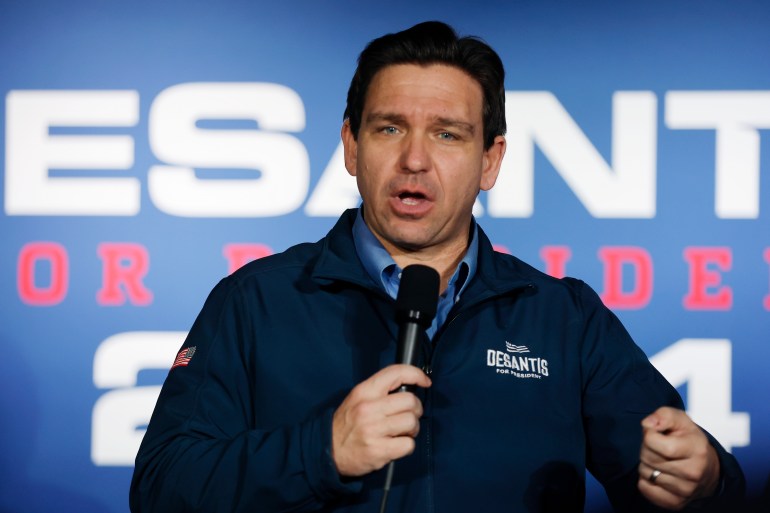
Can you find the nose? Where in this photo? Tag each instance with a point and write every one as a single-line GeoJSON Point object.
{"type": "Point", "coordinates": [415, 157]}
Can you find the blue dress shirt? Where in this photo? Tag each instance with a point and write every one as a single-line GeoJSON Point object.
{"type": "Point", "coordinates": [386, 273]}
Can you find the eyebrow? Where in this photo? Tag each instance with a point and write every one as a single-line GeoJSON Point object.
{"type": "Point", "coordinates": [385, 117]}
{"type": "Point", "coordinates": [461, 125]}
{"type": "Point", "coordinates": [394, 118]}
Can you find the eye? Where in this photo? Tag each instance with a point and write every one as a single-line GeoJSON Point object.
{"type": "Point", "coordinates": [447, 136]}
{"type": "Point", "coordinates": [389, 130]}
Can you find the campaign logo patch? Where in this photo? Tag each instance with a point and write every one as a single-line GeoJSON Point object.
{"type": "Point", "coordinates": [516, 362]}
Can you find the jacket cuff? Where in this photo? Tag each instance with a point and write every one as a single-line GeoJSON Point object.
{"type": "Point", "coordinates": [320, 468]}
{"type": "Point", "coordinates": [731, 490]}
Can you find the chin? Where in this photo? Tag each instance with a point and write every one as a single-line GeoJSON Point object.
{"type": "Point", "coordinates": [414, 243]}
{"type": "Point", "coordinates": [409, 235]}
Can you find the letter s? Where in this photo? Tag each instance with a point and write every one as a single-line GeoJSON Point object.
{"type": "Point", "coordinates": [279, 162]}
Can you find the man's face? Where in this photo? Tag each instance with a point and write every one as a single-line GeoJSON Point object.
{"type": "Point", "coordinates": [419, 160]}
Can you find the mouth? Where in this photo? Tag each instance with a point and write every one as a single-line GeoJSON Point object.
{"type": "Point", "coordinates": [411, 198]}
{"type": "Point", "coordinates": [411, 201]}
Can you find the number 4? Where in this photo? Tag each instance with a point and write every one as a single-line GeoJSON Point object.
{"type": "Point", "coordinates": [705, 365]}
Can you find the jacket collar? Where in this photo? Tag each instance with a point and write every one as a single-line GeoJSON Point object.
{"type": "Point", "coordinates": [496, 274]}
{"type": "Point", "coordinates": [338, 260]}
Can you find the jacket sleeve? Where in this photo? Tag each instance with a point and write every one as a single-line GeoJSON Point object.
{"type": "Point", "coordinates": [201, 451]}
{"type": "Point", "coordinates": [620, 388]}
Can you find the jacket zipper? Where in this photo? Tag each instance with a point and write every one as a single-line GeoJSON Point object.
{"type": "Point", "coordinates": [429, 351]}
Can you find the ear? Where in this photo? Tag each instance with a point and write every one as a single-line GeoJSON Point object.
{"type": "Point", "coordinates": [491, 161]}
{"type": "Point", "coordinates": [350, 146]}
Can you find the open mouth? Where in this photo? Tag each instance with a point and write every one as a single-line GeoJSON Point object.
{"type": "Point", "coordinates": [411, 198]}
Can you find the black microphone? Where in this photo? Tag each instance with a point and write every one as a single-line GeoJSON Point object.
{"type": "Point", "coordinates": [416, 305]}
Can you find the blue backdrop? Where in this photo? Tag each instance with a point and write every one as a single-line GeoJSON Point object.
{"type": "Point", "coordinates": [148, 148]}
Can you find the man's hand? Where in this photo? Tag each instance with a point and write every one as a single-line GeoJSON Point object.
{"type": "Point", "coordinates": [678, 464]}
{"type": "Point", "coordinates": [372, 426]}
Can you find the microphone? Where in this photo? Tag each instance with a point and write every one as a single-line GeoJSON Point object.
{"type": "Point", "coordinates": [416, 305]}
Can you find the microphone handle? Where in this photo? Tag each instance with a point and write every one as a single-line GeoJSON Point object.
{"type": "Point", "coordinates": [386, 487]}
{"type": "Point", "coordinates": [408, 338]}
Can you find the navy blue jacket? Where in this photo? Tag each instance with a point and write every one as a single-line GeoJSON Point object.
{"type": "Point", "coordinates": [534, 381]}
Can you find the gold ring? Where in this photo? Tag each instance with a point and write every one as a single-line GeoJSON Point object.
{"type": "Point", "coordinates": [654, 475]}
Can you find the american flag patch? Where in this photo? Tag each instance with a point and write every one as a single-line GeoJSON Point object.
{"type": "Point", "coordinates": [184, 357]}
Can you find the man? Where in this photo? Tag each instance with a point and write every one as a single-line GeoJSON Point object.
{"type": "Point", "coordinates": [286, 403]}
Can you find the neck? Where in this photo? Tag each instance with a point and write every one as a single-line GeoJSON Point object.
{"type": "Point", "coordinates": [444, 260]}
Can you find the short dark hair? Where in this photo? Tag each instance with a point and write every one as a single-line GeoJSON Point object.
{"type": "Point", "coordinates": [433, 42]}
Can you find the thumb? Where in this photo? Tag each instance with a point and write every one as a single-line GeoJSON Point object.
{"type": "Point", "coordinates": [664, 419]}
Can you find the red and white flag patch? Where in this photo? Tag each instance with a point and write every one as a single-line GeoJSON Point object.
{"type": "Point", "coordinates": [184, 357]}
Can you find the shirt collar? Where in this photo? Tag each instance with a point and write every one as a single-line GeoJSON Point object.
{"type": "Point", "coordinates": [385, 272]}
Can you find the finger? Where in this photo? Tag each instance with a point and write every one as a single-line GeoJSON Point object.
{"type": "Point", "coordinates": [391, 378]}
{"type": "Point", "coordinates": [669, 479]}
{"type": "Point", "coordinates": [651, 457]}
{"type": "Point", "coordinates": [661, 496]}
{"type": "Point", "coordinates": [404, 424]}
{"type": "Point", "coordinates": [394, 404]}
{"type": "Point", "coordinates": [369, 417]}
{"type": "Point", "coordinates": [373, 456]}
{"type": "Point", "coordinates": [398, 447]}
{"type": "Point", "coordinates": [661, 447]}
{"type": "Point", "coordinates": [370, 433]}
{"type": "Point", "coordinates": [685, 443]}
{"type": "Point", "coordinates": [679, 467]}
{"type": "Point", "coordinates": [666, 419]}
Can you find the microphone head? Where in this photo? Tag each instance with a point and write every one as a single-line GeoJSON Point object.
{"type": "Point", "coordinates": [417, 298]}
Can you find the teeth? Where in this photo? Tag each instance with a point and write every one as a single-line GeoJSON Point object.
{"type": "Point", "coordinates": [409, 201]}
